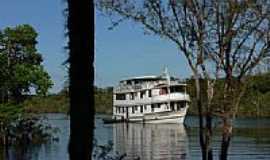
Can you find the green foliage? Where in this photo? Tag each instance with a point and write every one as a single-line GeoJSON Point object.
{"type": "Point", "coordinates": [105, 152]}
{"type": "Point", "coordinates": [18, 128]}
{"type": "Point", "coordinates": [10, 112]}
{"type": "Point", "coordinates": [20, 63]}
{"type": "Point", "coordinates": [21, 71]}
{"type": "Point", "coordinates": [47, 104]}
{"type": "Point", "coordinates": [259, 83]}
{"type": "Point", "coordinates": [104, 100]}
{"type": "Point", "coordinates": [254, 103]}
{"type": "Point", "coordinates": [59, 103]}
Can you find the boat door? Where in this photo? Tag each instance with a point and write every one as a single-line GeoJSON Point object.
{"type": "Point", "coordinates": [126, 112]}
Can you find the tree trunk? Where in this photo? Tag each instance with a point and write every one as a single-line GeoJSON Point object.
{"type": "Point", "coordinates": [205, 133]}
{"type": "Point", "coordinates": [208, 136]}
{"type": "Point", "coordinates": [81, 78]}
{"type": "Point", "coordinates": [16, 95]}
{"type": "Point", "coordinates": [226, 138]}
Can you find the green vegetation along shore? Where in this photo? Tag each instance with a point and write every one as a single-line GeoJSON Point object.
{"type": "Point", "coordinates": [58, 103]}
{"type": "Point", "coordinates": [255, 103]}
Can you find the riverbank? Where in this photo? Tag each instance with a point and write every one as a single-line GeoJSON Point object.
{"type": "Point", "coordinates": [255, 103]}
{"type": "Point", "coordinates": [59, 103]}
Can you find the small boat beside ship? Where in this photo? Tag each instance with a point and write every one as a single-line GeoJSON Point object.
{"type": "Point", "coordinates": [150, 99]}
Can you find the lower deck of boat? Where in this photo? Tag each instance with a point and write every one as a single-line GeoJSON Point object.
{"type": "Point", "coordinates": [161, 117]}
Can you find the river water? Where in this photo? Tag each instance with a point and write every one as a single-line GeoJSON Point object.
{"type": "Point", "coordinates": [251, 140]}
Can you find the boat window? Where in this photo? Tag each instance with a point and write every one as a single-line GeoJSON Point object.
{"type": "Point", "coordinates": [149, 93]}
{"type": "Point", "coordinates": [183, 104]}
{"type": "Point", "coordinates": [172, 106]}
{"type": "Point", "coordinates": [132, 109]}
{"type": "Point", "coordinates": [174, 89]}
{"type": "Point", "coordinates": [145, 107]}
{"type": "Point", "coordinates": [132, 96]}
{"type": "Point", "coordinates": [152, 108]}
{"type": "Point", "coordinates": [141, 109]}
{"type": "Point", "coordinates": [142, 94]}
{"type": "Point", "coordinates": [163, 91]}
{"type": "Point", "coordinates": [180, 105]}
{"type": "Point", "coordinates": [167, 106]}
{"type": "Point", "coordinates": [120, 96]}
{"type": "Point", "coordinates": [128, 82]}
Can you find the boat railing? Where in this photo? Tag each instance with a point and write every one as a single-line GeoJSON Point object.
{"type": "Point", "coordinates": [141, 86]}
{"type": "Point", "coordinates": [134, 87]}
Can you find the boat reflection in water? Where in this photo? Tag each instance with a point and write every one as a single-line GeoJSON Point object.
{"type": "Point", "coordinates": [150, 141]}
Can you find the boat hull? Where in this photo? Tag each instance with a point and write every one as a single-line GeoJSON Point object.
{"type": "Point", "coordinates": [162, 117]}
{"type": "Point", "coordinates": [174, 120]}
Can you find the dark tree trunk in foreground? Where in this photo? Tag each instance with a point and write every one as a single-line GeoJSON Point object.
{"type": "Point", "coordinates": [226, 139]}
{"type": "Point", "coordinates": [81, 74]}
{"type": "Point", "coordinates": [205, 131]}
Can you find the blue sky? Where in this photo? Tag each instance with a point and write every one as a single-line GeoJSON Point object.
{"type": "Point", "coordinates": [120, 53]}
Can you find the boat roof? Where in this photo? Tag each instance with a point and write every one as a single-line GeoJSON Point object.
{"type": "Point", "coordinates": [172, 85]}
{"type": "Point", "coordinates": [149, 77]}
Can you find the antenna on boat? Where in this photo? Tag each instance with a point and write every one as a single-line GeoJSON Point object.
{"type": "Point", "coordinates": [168, 78]}
{"type": "Point", "coordinates": [167, 75]}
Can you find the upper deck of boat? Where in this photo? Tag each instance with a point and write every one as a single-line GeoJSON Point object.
{"type": "Point", "coordinates": [134, 84]}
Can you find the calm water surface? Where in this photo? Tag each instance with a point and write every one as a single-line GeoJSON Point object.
{"type": "Point", "coordinates": [251, 140]}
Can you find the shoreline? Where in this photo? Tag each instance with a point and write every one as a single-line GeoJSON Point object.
{"type": "Point", "coordinates": [188, 114]}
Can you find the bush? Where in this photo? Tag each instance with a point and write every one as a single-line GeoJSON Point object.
{"type": "Point", "coordinates": [19, 129]}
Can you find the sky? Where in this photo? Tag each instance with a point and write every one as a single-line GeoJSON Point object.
{"type": "Point", "coordinates": [119, 53]}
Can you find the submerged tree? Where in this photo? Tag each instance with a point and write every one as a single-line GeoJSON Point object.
{"type": "Point", "coordinates": [219, 39]}
{"type": "Point", "coordinates": [81, 77]}
{"type": "Point", "coordinates": [21, 73]}
{"type": "Point", "coordinates": [20, 64]}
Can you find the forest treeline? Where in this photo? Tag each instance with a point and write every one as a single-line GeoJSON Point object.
{"type": "Point", "coordinates": [58, 103]}
{"type": "Point", "coordinates": [255, 102]}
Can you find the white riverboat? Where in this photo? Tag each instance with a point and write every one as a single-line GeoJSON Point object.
{"type": "Point", "coordinates": [150, 99]}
